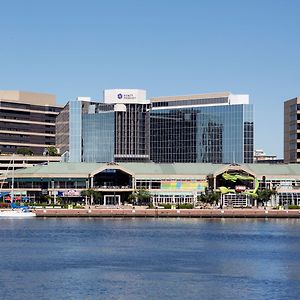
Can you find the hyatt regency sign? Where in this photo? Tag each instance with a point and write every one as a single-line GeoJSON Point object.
{"type": "Point", "coordinates": [125, 96]}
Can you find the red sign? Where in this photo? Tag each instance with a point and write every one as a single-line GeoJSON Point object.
{"type": "Point", "coordinates": [240, 188]}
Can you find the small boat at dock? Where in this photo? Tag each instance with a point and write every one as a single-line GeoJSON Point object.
{"type": "Point", "coordinates": [16, 213]}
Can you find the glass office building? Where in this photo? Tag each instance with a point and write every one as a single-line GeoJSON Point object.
{"type": "Point", "coordinates": [116, 130]}
{"type": "Point", "coordinates": [85, 131]}
{"type": "Point", "coordinates": [212, 128]}
{"type": "Point", "coordinates": [215, 128]}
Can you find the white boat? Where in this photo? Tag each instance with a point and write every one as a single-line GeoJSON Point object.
{"type": "Point", "coordinates": [16, 213]}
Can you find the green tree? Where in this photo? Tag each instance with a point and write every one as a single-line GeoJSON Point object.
{"type": "Point", "coordinates": [132, 198]}
{"type": "Point", "coordinates": [140, 197]}
{"type": "Point", "coordinates": [264, 195]}
{"type": "Point", "coordinates": [45, 199]}
{"type": "Point", "coordinates": [97, 196]}
{"type": "Point", "coordinates": [52, 151]}
{"type": "Point", "coordinates": [143, 197]}
{"type": "Point", "coordinates": [210, 197]}
{"type": "Point", "coordinates": [24, 151]}
{"type": "Point", "coordinates": [88, 194]}
{"type": "Point", "coordinates": [91, 195]}
{"type": "Point", "coordinates": [59, 200]}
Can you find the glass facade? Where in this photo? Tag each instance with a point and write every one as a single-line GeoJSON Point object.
{"type": "Point", "coordinates": [75, 131]}
{"type": "Point", "coordinates": [132, 139]}
{"type": "Point", "coordinates": [215, 134]}
{"type": "Point", "coordinates": [190, 102]}
{"type": "Point", "coordinates": [135, 132]}
{"type": "Point", "coordinates": [96, 132]}
{"type": "Point", "coordinates": [62, 130]}
{"type": "Point", "coordinates": [98, 137]}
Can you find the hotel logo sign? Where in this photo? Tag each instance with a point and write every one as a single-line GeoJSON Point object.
{"type": "Point", "coordinates": [126, 96]}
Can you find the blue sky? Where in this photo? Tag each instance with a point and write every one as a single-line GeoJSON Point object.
{"type": "Point", "coordinates": [79, 48]}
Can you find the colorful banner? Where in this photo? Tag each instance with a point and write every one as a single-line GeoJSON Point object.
{"type": "Point", "coordinates": [197, 185]}
{"type": "Point", "coordinates": [70, 193]}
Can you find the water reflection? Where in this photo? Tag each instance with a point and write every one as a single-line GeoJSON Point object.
{"type": "Point", "coordinates": [150, 258]}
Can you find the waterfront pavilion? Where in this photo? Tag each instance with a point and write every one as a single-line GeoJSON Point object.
{"type": "Point", "coordinates": [175, 183]}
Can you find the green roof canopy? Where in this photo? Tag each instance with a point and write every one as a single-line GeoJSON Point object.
{"type": "Point", "coordinates": [75, 171]}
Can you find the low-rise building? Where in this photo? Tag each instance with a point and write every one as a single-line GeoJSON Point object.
{"type": "Point", "coordinates": [176, 183]}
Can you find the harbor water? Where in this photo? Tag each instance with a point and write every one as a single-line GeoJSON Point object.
{"type": "Point", "coordinates": [98, 258]}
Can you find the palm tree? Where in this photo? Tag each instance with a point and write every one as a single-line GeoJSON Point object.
{"type": "Point", "coordinates": [141, 197]}
{"type": "Point", "coordinates": [88, 194]}
{"type": "Point", "coordinates": [210, 197]}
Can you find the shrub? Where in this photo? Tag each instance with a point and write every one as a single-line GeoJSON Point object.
{"type": "Point", "coordinates": [293, 207]}
{"type": "Point", "coordinates": [4, 205]}
{"type": "Point", "coordinates": [186, 206]}
{"type": "Point", "coordinates": [78, 206]}
{"type": "Point", "coordinates": [24, 151]}
{"type": "Point", "coordinates": [166, 206]}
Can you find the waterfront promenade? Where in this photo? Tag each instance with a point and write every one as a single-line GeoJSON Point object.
{"type": "Point", "coordinates": [168, 213]}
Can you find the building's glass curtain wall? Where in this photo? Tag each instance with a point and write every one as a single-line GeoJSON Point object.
{"type": "Point", "coordinates": [216, 134]}
{"type": "Point", "coordinates": [98, 136]}
{"type": "Point", "coordinates": [75, 131]}
{"type": "Point", "coordinates": [248, 134]}
{"type": "Point", "coordinates": [132, 139]}
{"type": "Point", "coordinates": [62, 130]}
{"type": "Point", "coordinates": [173, 135]}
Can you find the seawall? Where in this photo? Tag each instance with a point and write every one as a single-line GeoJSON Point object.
{"type": "Point", "coordinates": [169, 213]}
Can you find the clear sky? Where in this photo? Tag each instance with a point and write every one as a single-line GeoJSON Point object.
{"type": "Point", "coordinates": [79, 48]}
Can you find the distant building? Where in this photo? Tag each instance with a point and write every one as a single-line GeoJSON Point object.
{"type": "Point", "coordinates": [114, 130]}
{"type": "Point", "coordinates": [261, 157]}
{"type": "Point", "coordinates": [292, 130]}
{"type": "Point", "coordinates": [215, 128]}
{"type": "Point", "coordinates": [8, 163]}
{"type": "Point", "coordinates": [27, 120]}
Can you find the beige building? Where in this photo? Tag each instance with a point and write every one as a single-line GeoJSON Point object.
{"type": "Point", "coordinates": [292, 130]}
{"type": "Point", "coordinates": [27, 121]}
